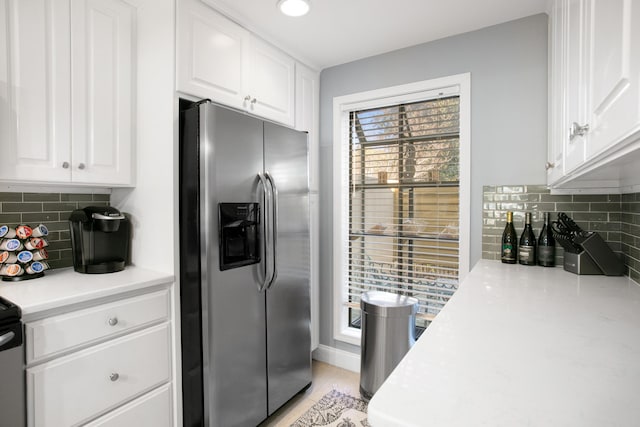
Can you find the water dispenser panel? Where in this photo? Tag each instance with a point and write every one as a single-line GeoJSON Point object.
{"type": "Point", "coordinates": [239, 234]}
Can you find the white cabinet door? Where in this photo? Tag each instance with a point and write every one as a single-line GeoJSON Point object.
{"type": "Point", "coordinates": [614, 69]}
{"type": "Point", "coordinates": [557, 64]}
{"type": "Point", "coordinates": [212, 53]}
{"type": "Point", "coordinates": [152, 409]}
{"type": "Point", "coordinates": [102, 34]}
{"type": "Point", "coordinates": [576, 78]}
{"type": "Point", "coordinates": [34, 90]}
{"type": "Point", "coordinates": [271, 83]}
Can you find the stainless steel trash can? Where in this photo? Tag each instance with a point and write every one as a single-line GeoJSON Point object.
{"type": "Point", "coordinates": [388, 332]}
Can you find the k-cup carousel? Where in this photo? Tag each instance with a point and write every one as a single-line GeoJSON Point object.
{"type": "Point", "coordinates": [22, 252]}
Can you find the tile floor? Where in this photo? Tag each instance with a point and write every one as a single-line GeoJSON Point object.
{"type": "Point", "coordinates": [325, 378]}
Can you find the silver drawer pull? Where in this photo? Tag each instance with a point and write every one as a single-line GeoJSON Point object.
{"type": "Point", "coordinates": [114, 376]}
{"type": "Point", "coordinates": [113, 321]}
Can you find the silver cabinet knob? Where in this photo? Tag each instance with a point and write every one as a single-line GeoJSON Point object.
{"type": "Point", "coordinates": [253, 101]}
{"type": "Point", "coordinates": [113, 321]}
{"type": "Point", "coordinates": [81, 166]}
{"type": "Point", "coordinates": [114, 376]}
{"type": "Point", "coordinates": [247, 98]}
{"type": "Point", "coordinates": [65, 165]}
{"type": "Point", "coordinates": [549, 165]}
{"type": "Point", "coordinates": [577, 130]}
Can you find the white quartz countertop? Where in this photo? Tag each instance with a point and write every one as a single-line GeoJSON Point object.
{"type": "Point", "coordinates": [522, 346]}
{"type": "Point", "coordinates": [63, 287]}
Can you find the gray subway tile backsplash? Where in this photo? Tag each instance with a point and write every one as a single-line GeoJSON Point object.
{"type": "Point", "coordinates": [52, 210]}
{"type": "Point", "coordinates": [616, 217]}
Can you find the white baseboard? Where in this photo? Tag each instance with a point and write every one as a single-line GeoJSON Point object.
{"type": "Point", "coordinates": [336, 357]}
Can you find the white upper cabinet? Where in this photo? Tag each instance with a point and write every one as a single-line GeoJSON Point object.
{"type": "Point", "coordinates": [594, 94]}
{"type": "Point", "coordinates": [219, 60]}
{"type": "Point", "coordinates": [575, 82]}
{"type": "Point", "coordinates": [614, 69]}
{"type": "Point", "coordinates": [102, 91]}
{"type": "Point", "coordinates": [213, 54]}
{"type": "Point", "coordinates": [555, 150]}
{"type": "Point", "coordinates": [35, 89]}
{"type": "Point", "coordinates": [271, 83]}
{"type": "Point", "coordinates": [66, 88]}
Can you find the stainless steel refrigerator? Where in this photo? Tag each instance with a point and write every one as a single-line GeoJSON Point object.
{"type": "Point", "coordinates": [244, 266]}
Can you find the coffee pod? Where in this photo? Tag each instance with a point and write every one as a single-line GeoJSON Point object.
{"type": "Point", "coordinates": [37, 267]}
{"type": "Point", "coordinates": [7, 232]}
{"type": "Point", "coordinates": [25, 257]}
{"type": "Point", "coordinates": [7, 257]}
{"type": "Point", "coordinates": [11, 270]}
{"type": "Point", "coordinates": [23, 232]}
{"type": "Point", "coordinates": [40, 230]}
{"type": "Point", "coordinates": [35, 243]}
{"type": "Point", "coordinates": [11, 245]}
{"type": "Point", "coordinates": [40, 254]}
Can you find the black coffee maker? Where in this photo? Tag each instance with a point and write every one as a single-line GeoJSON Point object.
{"type": "Point", "coordinates": [100, 239]}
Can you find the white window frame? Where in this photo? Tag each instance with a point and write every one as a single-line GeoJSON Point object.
{"type": "Point", "coordinates": [459, 84]}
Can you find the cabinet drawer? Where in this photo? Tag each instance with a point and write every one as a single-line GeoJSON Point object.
{"type": "Point", "coordinates": [73, 389]}
{"type": "Point", "coordinates": [152, 409]}
{"type": "Point", "coordinates": [55, 334]}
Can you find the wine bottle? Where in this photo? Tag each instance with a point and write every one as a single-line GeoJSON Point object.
{"type": "Point", "coordinates": [546, 244]}
{"type": "Point", "coordinates": [509, 242]}
{"type": "Point", "coordinates": [527, 247]}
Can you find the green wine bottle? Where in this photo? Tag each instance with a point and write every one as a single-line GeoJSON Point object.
{"type": "Point", "coordinates": [546, 244]}
{"type": "Point", "coordinates": [527, 247]}
{"type": "Point", "coordinates": [509, 242]}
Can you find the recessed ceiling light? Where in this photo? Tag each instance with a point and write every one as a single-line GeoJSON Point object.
{"type": "Point", "coordinates": [294, 7]}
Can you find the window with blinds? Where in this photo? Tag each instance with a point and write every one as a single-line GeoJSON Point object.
{"type": "Point", "coordinates": [404, 203]}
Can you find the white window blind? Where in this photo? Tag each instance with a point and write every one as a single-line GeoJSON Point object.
{"type": "Point", "coordinates": [404, 202]}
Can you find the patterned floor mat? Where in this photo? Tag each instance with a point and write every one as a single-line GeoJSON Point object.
{"type": "Point", "coordinates": [335, 409]}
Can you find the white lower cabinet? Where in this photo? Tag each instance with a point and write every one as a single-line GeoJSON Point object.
{"type": "Point", "coordinates": [91, 368]}
{"type": "Point", "coordinates": [152, 409]}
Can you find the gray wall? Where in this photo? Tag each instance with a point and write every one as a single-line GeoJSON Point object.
{"type": "Point", "coordinates": [508, 66]}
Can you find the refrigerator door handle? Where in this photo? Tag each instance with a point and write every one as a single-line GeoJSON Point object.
{"type": "Point", "coordinates": [267, 197]}
{"type": "Point", "coordinates": [274, 226]}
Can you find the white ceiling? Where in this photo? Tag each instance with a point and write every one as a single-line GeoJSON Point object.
{"type": "Point", "coordinates": [339, 31]}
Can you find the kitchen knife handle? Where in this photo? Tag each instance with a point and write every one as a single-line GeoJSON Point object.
{"type": "Point", "coordinates": [274, 227]}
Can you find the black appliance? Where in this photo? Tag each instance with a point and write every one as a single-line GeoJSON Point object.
{"type": "Point", "coordinates": [100, 239]}
{"type": "Point", "coordinates": [12, 377]}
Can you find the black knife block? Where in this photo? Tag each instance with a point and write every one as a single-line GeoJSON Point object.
{"type": "Point", "coordinates": [596, 257]}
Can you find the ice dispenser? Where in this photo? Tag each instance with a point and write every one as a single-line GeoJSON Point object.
{"type": "Point", "coordinates": [239, 234]}
{"type": "Point", "coordinates": [100, 239]}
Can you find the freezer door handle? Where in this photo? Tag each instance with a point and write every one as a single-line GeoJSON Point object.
{"type": "Point", "coordinates": [267, 197]}
{"type": "Point", "coordinates": [274, 227]}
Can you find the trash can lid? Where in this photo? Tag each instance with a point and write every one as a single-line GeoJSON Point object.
{"type": "Point", "coordinates": [388, 304]}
